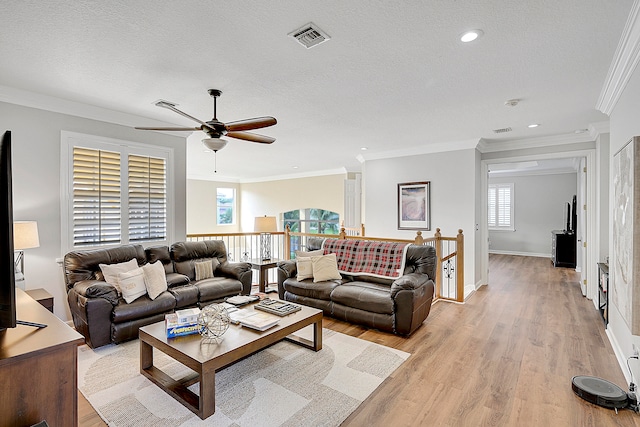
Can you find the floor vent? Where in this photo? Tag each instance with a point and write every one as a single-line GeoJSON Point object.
{"type": "Point", "coordinates": [503, 130]}
{"type": "Point", "coordinates": [309, 35]}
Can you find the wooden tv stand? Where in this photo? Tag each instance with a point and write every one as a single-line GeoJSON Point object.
{"type": "Point", "coordinates": [38, 369]}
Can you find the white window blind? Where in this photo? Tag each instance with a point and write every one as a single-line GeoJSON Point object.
{"type": "Point", "coordinates": [96, 197]}
{"type": "Point", "coordinates": [147, 177]}
{"type": "Point", "coordinates": [114, 192]}
{"type": "Point", "coordinates": [501, 206]}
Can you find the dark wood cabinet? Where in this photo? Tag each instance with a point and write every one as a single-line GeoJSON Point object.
{"type": "Point", "coordinates": [38, 369]}
{"type": "Point", "coordinates": [563, 249]}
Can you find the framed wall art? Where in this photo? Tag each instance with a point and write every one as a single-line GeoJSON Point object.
{"type": "Point", "coordinates": [414, 206]}
{"type": "Point", "coordinates": [626, 234]}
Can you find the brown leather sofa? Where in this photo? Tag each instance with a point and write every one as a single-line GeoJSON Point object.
{"type": "Point", "coordinates": [103, 317]}
{"type": "Point", "coordinates": [398, 306]}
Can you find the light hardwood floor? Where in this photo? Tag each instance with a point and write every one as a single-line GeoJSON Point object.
{"type": "Point", "coordinates": [504, 358]}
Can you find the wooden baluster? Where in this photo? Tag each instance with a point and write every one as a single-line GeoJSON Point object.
{"type": "Point", "coordinates": [460, 266]}
{"type": "Point", "coordinates": [438, 237]}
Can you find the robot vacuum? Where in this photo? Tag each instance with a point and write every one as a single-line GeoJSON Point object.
{"type": "Point", "coordinates": [600, 392]}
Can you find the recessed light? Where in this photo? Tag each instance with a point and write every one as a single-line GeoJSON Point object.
{"type": "Point", "coordinates": [470, 36]}
{"type": "Point", "coordinates": [363, 148]}
{"type": "Point", "coordinates": [533, 125]}
{"type": "Point", "coordinates": [295, 167]}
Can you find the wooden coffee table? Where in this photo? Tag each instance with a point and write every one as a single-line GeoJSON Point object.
{"type": "Point", "coordinates": [205, 358]}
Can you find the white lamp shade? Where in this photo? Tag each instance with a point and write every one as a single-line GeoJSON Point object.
{"type": "Point", "coordinates": [25, 235]}
{"type": "Point", "coordinates": [214, 144]}
{"type": "Point", "coordinates": [265, 224]}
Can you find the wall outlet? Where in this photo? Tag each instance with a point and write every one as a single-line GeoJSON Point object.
{"type": "Point", "coordinates": [636, 353]}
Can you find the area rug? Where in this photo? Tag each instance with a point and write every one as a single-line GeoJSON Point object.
{"type": "Point", "coordinates": [283, 385]}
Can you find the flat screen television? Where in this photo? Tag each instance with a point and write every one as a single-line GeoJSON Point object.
{"type": "Point", "coordinates": [7, 269]}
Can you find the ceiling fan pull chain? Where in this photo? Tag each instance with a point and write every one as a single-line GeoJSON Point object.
{"type": "Point", "coordinates": [215, 162]}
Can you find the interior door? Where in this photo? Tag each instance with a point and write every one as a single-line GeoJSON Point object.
{"type": "Point", "coordinates": [581, 252]}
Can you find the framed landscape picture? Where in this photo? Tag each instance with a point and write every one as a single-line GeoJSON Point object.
{"type": "Point", "coordinates": [414, 206]}
{"type": "Point", "coordinates": [626, 234]}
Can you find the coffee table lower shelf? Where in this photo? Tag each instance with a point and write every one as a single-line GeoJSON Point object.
{"type": "Point", "coordinates": [236, 343]}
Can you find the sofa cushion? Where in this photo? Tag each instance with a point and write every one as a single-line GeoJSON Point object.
{"type": "Point", "coordinates": [367, 296]}
{"type": "Point", "coordinates": [185, 295]}
{"type": "Point", "coordinates": [160, 253]}
{"type": "Point", "coordinates": [132, 284]}
{"type": "Point", "coordinates": [143, 307]}
{"type": "Point", "coordinates": [309, 288]}
{"type": "Point", "coordinates": [85, 264]}
{"type": "Point", "coordinates": [325, 268]}
{"type": "Point", "coordinates": [217, 288]}
{"type": "Point", "coordinates": [110, 272]}
{"type": "Point", "coordinates": [177, 279]}
{"type": "Point", "coordinates": [155, 279]}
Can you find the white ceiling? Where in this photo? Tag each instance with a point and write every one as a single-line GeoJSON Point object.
{"type": "Point", "coordinates": [393, 77]}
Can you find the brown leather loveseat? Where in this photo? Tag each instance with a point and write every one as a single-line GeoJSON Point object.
{"type": "Point", "coordinates": [397, 305]}
{"type": "Point", "coordinates": [102, 315]}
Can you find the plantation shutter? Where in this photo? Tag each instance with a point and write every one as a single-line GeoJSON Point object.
{"type": "Point", "coordinates": [147, 198]}
{"type": "Point", "coordinates": [96, 197]}
{"type": "Point", "coordinates": [500, 206]}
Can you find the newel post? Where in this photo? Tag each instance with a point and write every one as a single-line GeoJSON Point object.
{"type": "Point", "coordinates": [419, 240]}
{"type": "Point", "coordinates": [343, 233]}
{"type": "Point", "coordinates": [287, 242]}
{"type": "Point", "coordinates": [460, 266]}
{"type": "Point", "coordinates": [438, 237]}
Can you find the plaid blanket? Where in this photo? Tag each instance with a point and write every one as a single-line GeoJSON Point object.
{"type": "Point", "coordinates": [359, 257]}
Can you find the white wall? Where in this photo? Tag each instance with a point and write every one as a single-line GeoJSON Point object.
{"type": "Point", "coordinates": [624, 125]}
{"type": "Point", "coordinates": [202, 205]}
{"type": "Point", "coordinates": [540, 202]}
{"type": "Point", "coordinates": [36, 184]}
{"type": "Point", "coordinates": [453, 197]}
{"type": "Point", "coordinates": [272, 198]}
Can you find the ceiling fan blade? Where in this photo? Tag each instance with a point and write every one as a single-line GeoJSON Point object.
{"type": "Point", "coordinates": [253, 137]}
{"type": "Point", "coordinates": [168, 128]}
{"type": "Point", "coordinates": [250, 124]}
{"type": "Point", "coordinates": [171, 106]}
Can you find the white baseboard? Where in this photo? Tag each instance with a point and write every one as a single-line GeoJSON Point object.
{"type": "Point", "coordinates": [622, 361]}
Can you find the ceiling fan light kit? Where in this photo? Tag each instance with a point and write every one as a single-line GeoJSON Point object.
{"type": "Point", "coordinates": [214, 144]}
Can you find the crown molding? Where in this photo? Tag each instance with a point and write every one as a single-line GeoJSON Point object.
{"type": "Point", "coordinates": [438, 147]}
{"type": "Point", "coordinates": [26, 98]}
{"type": "Point", "coordinates": [597, 129]}
{"type": "Point", "coordinates": [624, 62]}
{"type": "Point", "coordinates": [520, 144]}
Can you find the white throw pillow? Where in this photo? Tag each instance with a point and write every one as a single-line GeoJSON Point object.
{"type": "Point", "coordinates": [132, 284]}
{"type": "Point", "coordinates": [305, 268]}
{"type": "Point", "coordinates": [303, 254]}
{"type": "Point", "coordinates": [325, 268]}
{"type": "Point", "coordinates": [154, 279]}
{"type": "Point", "coordinates": [111, 271]}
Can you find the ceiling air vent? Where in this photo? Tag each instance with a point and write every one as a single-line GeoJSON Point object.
{"type": "Point", "coordinates": [503, 130]}
{"type": "Point", "coordinates": [309, 35]}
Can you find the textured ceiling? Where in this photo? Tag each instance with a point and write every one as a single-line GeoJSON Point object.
{"type": "Point", "coordinates": [394, 75]}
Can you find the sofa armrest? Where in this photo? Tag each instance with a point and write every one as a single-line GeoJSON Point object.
{"type": "Point", "coordinates": [286, 270]}
{"type": "Point", "coordinates": [91, 317]}
{"type": "Point", "coordinates": [237, 270]}
{"type": "Point", "coordinates": [97, 289]}
{"type": "Point", "coordinates": [408, 282]}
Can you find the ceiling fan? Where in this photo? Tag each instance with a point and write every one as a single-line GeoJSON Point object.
{"type": "Point", "coordinates": [217, 129]}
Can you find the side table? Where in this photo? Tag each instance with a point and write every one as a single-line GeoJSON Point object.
{"type": "Point", "coordinates": [263, 267]}
{"type": "Point", "coordinates": [43, 297]}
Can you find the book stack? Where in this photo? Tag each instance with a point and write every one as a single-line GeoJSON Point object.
{"type": "Point", "coordinates": [182, 322]}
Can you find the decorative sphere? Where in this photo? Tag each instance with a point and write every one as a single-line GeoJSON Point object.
{"type": "Point", "coordinates": [214, 321]}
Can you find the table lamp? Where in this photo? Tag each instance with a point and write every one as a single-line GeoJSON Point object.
{"type": "Point", "coordinates": [25, 236]}
{"type": "Point", "coordinates": [265, 225]}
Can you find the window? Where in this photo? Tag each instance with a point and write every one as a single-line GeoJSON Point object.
{"type": "Point", "coordinates": [114, 192]}
{"type": "Point", "coordinates": [501, 207]}
{"type": "Point", "coordinates": [317, 221]}
{"type": "Point", "coordinates": [225, 203]}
